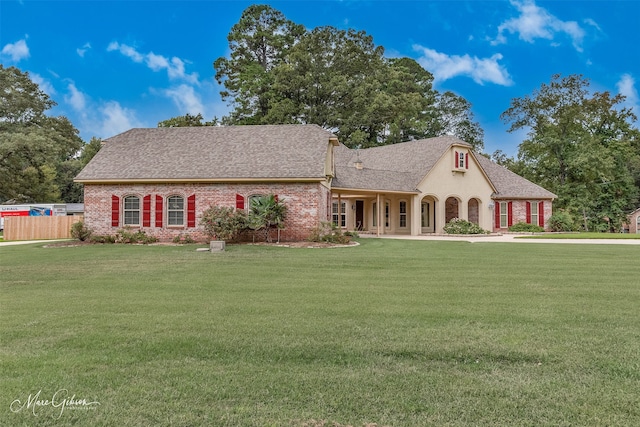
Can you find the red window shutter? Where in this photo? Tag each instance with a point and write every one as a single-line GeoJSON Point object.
{"type": "Point", "coordinates": [239, 201]}
{"type": "Point", "coordinates": [510, 214]}
{"type": "Point", "coordinates": [191, 211]}
{"type": "Point", "coordinates": [146, 211]}
{"type": "Point", "coordinates": [159, 211]}
{"type": "Point", "coordinates": [528, 212]}
{"type": "Point", "coordinates": [115, 211]}
{"type": "Point", "coordinates": [541, 214]}
{"type": "Point", "coordinates": [457, 159]}
{"type": "Point", "coordinates": [497, 213]}
{"type": "Point", "coordinates": [466, 161]}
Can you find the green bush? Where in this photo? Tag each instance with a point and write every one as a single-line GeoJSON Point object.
{"type": "Point", "coordinates": [330, 233]}
{"type": "Point", "coordinates": [223, 223]}
{"type": "Point", "coordinates": [80, 231]}
{"type": "Point", "coordinates": [183, 239]}
{"type": "Point", "coordinates": [102, 239]}
{"type": "Point", "coordinates": [523, 227]}
{"type": "Point", "coordinates": [561, 221]}
{"type": "Point", "coordinates": [461, 226]}
{"type": "Point", "coordinates": [126, 235]}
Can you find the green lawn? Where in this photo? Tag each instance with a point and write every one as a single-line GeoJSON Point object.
{"type": "Point", "coordinates": [392, 332]}
{"type": "Point", "coordinates": [581, 236]}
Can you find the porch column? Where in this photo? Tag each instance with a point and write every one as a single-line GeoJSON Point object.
{"type": "Point", "coordinates": [379, 219]}
{"type": "Point", "coordinates": [463, 209]}
{"type": "Point", "coordinates": [416, 215]}
{"type": "Point", "coordinates": [441, 215]}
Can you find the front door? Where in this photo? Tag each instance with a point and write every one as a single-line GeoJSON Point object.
{"type": "Point", "coordinates": [427, 217]}
{"type": "Point", "coordinates": [359, 215]}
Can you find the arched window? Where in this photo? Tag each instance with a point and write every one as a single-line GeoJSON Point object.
{"type": "Point", "coordinates": [175, 210]}
{"type": "Point", "coordinates": [131, 210]}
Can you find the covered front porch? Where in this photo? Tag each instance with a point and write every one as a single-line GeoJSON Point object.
{"type": "Point", "coordinates": [401, 213]}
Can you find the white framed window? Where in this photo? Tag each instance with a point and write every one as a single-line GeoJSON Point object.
{"type": "Point", "coordinates": [131, 210]}
{"type": "Point", "coordinates": [504, 214]}
{"type": "Point", "coordinates": [339, 217]}
{"type": "Point", "coordinates": [403, 214]}
{"type": "Point", "coordinates": [461, 160]}
{"type": "Point", "coordinates": [387, 212]}
{"type": "Point", "coordinates": [175, 210]}
{"type": "Point", "coordinates": [534, 213]}
{"type": "Point", "coordinates": [426, 215]}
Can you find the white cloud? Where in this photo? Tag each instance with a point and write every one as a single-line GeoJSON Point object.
{"type": "Point", "coordinates": [535, 22]}
{"type": "Point", "coordinates": [627, 87]}
{"type": "Point", "coordinates": [186, 99]}
{"type": "Point", "coordinates": [75, 98]}
{"type": "Point", "coordinates": [127, 51]}
{"type": "Point", "coordinates": [82, 50]}
{"type": "Point", "coordinates": [175, 66]}
{"type": "Point", "coordinates": [481, 70]}
{"type": "Point", "coordinates": [16, 51]}
{"type": "Point", "coordinates": [115, 119]}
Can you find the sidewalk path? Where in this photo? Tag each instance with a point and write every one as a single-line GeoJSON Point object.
{"type": "Point", "coordinates": [513, 238]}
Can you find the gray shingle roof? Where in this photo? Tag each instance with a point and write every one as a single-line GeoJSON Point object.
{"type": "Point", "coordinates": [398, 167]}
{"type": "Point", "coordinates": [242, 152]}
{"type": "Point", "coordinates": [510, 185]}
{"type": "Point", "coordinates": [401, 167]}
{"type": "Point", "coordinates": [281, 152]}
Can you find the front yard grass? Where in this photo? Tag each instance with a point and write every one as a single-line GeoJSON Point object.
{"type": "Point", "coordinates": [398, 333]}
{"type": "Point", "coordinates": [583, 235]}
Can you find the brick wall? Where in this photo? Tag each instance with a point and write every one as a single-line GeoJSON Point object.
{"type": "Point", "coordinates": [519, 212]}
{"type": "Point", "coordinates": [306, 205]}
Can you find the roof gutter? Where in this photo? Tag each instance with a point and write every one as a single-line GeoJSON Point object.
{"type": "Point", "coordinates": [194, 180]}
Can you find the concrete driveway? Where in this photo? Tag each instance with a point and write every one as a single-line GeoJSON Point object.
{"type": "Point", "coordinates": [502, 238]}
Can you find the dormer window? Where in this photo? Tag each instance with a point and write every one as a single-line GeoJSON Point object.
{"type": "Point", "coordinates": [461, 160]}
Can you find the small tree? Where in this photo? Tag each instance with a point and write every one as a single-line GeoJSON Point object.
{"type": "Point", "coordinates": [223, 223]}
{"type": "Point", "coordinates": [265, 213]}
{"type": "Point", "coordinates": [80, 231]}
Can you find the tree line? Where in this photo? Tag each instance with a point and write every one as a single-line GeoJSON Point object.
{"type": "Point", "coordinates": [278, 72]}
{"type": "Point", "coordinates": [39, 154]}
{"type": "Point", "coordinates": [582, 145]}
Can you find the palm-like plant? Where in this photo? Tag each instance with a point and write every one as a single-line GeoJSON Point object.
{"type": "Point", "coordinates": [265, 213]}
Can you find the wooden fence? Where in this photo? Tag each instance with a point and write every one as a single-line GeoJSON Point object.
{"type": "Point", "coordinates": [39, 227]}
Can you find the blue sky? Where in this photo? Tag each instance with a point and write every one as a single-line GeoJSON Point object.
{"type": "Point", "coordinates": [114, 65]}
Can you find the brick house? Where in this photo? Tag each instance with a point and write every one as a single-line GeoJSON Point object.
{"type": "Point", "coordinates": [634, 222]}
{"type": "Point", "coordinates": [162, 179]}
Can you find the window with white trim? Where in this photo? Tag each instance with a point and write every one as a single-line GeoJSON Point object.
{"type": "Point", "coordinates": [426, 215]}
{"type": "Point", "coordinates": [403, 214]}
{"type": "Point", "coordinates": [461, 160]}
{"type": "Point", "coordinates": [504, 214]}
{"type": "Point", "coordinates": [131, 210]}
{"type": "Point", "coordinates": [175, 210]}
{"type": "Point", "coordinates": [387, 211]}
{"type": "Point", "coordinates": [534, 213]}
{"type": "Point", "coordinates": [339, 217]}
